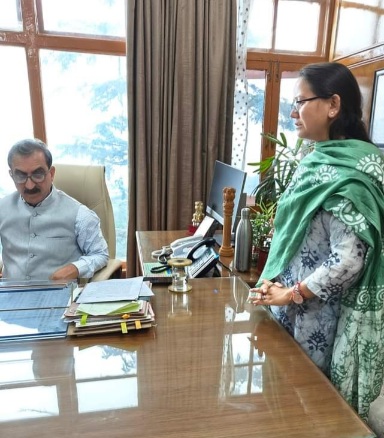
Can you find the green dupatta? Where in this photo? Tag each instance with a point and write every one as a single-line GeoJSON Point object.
{"type": "Point", "coordinates": [345, 177]}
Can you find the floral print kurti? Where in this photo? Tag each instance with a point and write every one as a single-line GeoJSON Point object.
{"type": "Point", "coordinates": [328, 272]}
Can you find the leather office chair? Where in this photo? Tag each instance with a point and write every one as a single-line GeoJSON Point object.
{"type": "Point", "coordinates": [87, 185]}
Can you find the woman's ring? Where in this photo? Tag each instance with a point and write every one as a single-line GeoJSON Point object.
{"type": "Point", "coordinates": [270, 284]}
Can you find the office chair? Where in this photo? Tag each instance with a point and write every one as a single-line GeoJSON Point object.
{"type": "Point", "coordinates": [87, 185]}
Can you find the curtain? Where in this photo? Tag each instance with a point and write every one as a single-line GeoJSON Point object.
{"type": "Point", "coordinates": [240, 111]}
{"type": "Point", "coordinates": [181, 69]}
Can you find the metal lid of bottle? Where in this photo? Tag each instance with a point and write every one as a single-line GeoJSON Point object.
{"type": "Point", "coordinates": [245, 213]}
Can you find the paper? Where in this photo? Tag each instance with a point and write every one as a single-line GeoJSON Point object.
{"type": "Point", "coordinates": [111, 308]}
{"type": "Point", "coordinates": [111, 290]}
{"type": "Point", "coordinates": [145, 291]}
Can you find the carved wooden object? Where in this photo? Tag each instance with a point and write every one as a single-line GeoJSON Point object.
{"type": "Point", "coordinates": [229, 194]}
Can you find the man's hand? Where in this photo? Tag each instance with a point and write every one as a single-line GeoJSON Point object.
{"type": "Point", "coordinates": [68, 272]}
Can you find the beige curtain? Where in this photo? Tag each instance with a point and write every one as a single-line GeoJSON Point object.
{"type": "Point", "coordinates": [181, 69]}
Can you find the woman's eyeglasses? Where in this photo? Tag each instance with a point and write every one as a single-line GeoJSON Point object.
{"type": "Point", "coordinates": [297, 104]}
{"type": "Point", "coordinates": [22, 178]}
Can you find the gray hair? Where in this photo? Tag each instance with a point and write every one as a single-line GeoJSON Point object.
{"type": "Point", "coordinates": [28, 147]}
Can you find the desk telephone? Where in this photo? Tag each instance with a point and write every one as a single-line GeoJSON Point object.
{"type": "Point", "coordinates": [199, 250]}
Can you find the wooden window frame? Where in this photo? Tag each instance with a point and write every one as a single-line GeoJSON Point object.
{"type": "Point", "coordinates": [33, 37]}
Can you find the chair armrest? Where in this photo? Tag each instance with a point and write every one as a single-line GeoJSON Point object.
{"type": "Point", "coordinates": [113, 269]}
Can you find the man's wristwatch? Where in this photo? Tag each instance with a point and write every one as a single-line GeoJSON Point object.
{"type": "Point", "coordinates": [297, 296]}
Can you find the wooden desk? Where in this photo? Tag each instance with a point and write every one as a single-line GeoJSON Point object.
{"type": "Point", "coordinates": [199, 373]}
{"type": "Point", "coordinates": [148, 241]}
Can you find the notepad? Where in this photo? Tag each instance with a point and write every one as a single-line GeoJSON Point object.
{"type": "Point", "coordinates": [157, 277]}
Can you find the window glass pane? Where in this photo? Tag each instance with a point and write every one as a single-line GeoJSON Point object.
{"type": "Point", "coordinates": [380, 29]}
{"type": "Point", "coordinates": [10, 15]}
{"type": "Point", "coordinates": [285, 123]}
{"type": "Point", "coordinates": [260, 25]}
{"type": "Point", "coordinates": [86, 120]}
{"type": "Point", "coordinates": [347, 39]}
{"type": "Point", "coordinates": [301, 37]}
{"type": "Point", "coordinates": [15, 108]}
{"type": "Point", "coordinates": [93, 17]}
{"type": "Point", "coordinates": [256, 100]}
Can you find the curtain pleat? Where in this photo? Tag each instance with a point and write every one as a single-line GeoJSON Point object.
{"type": "Point", "coordinates": [181, 57]}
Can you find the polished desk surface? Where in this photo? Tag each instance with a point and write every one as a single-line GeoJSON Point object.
{"type": "Point", "coordinates": [213, 366]}
{"type": "Point", "coordinates": [148, 241]}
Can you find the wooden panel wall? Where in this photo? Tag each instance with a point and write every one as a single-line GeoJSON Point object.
{"type": "Point", "coordinates": [363, 63]}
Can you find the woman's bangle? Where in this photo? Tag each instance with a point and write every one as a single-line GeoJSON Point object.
{"type": "Point", "coordinates": [297, 295]}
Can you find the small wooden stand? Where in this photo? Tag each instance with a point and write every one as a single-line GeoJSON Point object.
{"type": "Point", "coordinates": [226, 249]}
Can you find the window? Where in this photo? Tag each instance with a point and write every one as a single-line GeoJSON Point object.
{"type": "Point", "coordinates": [288, 25]}
{"type": "Point", "coordinates": [63, 80]}
{"type": "Point", "coordinates": [283, 36]}
{"type": "Point", "coordinates": [370, 16]}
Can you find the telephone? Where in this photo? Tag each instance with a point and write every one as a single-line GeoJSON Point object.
{"type": "Point", "coordinates": [199, 250]}
{"type": "Point", "coordinates": [181, 247]}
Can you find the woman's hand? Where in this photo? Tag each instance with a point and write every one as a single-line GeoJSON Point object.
{"type": "Point", "coordinates": [270, 294]}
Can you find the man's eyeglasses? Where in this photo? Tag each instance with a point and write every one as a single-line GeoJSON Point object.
{"type": "Point", "coordinates": [22, 178]}
{"type": "Point", "coordinates": [297, 104]}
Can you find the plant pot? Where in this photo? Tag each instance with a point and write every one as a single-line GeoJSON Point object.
{"type": "Point", "coordinates": [262, 259]}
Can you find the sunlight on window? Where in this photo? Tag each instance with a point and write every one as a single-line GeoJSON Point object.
{"type": "Point", "coordinates": [260, 25]}
{"type": "Point", "coordinates": [15, 109]}
{"type": "Point", "coordinates": [93, 17]}
{"type": "Point", "coordinates": [9, 15]}
{"type": "Point", "coordinates": [256, 100]}
{"type": "Point", "coordinates": [86, 120]}
{"type": "Point", "coordinates": [301, 38]}
{"type": "Point", "coordinates": [348, 40]}
{"type": "Point", "coordinates": [286, 123]}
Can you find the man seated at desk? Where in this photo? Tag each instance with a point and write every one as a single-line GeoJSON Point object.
{"type": "Point", "coordinates": [46, 234]}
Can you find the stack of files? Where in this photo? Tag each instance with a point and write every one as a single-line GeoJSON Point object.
{"type": "Point", "coordinates": [111, 306]}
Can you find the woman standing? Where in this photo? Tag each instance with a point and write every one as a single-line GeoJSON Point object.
{"type": "Point", "coordinates": [324, 278]}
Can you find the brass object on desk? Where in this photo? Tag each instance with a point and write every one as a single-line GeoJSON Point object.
{"type": "Point", "coordinates": [229, 194]}
{"type": "Point", "coordinates": [179, 274]}
{"type": "Point", "coordinates": [198, 215]}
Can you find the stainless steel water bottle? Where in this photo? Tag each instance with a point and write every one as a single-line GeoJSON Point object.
{"type": "Point", "coordinates": [243, 242]}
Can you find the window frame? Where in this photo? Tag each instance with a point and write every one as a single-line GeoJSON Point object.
{"type": "Point", "coordinates": [274, 62]}
{"type": "Point", "coordinates": [33, 38]}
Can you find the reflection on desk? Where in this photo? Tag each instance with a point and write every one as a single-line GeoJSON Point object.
{"type": "Point", "coordinates": [214, 366]}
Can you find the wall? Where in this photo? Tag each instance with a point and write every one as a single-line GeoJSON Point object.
{"type": "Point", "coordinates": [361, 51]}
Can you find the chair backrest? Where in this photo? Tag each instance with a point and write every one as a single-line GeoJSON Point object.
{"type": "Point", "coordinates": [87, 185]}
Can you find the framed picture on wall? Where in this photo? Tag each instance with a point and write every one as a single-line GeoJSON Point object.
{"type": "Point", "coordinates": [376, 126]}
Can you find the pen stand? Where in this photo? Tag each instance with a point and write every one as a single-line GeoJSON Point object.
{"type": "Point", "coordinates": [179, 274]}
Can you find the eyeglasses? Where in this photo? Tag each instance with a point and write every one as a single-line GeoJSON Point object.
{"type": "Point", "coordinates": [297, 104]}
{"type": "Point", "coordinates": [22, 178]}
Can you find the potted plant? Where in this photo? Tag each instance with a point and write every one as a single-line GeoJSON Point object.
{"type": "Point", "coordinates": [262, 228]}
{"type": "Point", "coordinates": [277, 172]}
